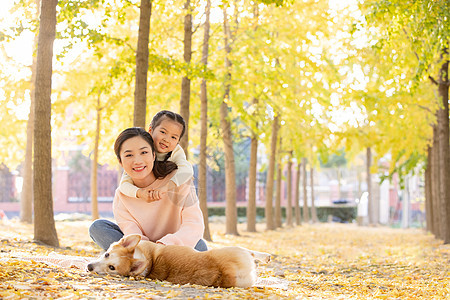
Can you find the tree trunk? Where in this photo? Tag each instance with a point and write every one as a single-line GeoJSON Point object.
{"type": "Point", "coordinates": [289, 219]}
{"type": "Point", "coordinates": [44, 225]}
{"type": "Point", "coordinates": [252, 171]}
{"type": "Point", "coordinates": [428, 193]}
{"type": "Point", "coordinates": [270, 173]}
{"type": "Point", "coordinates": [94, 167]}
{"type": "Point", "coordinates": [185, 81]}
{"type": "Point", "coordinates": [372, 207]}
{"type": "Point", "coordinates": [204, 130]}
{"type": "Point", "coordinates": [305, 193]}
{"type": "Point", "coordinates": [444, 151]}
{"type": "Point", "coordinates": [278, 218]}
{"type": "Point", "coordinates": [406, 201]}
{"type": "Point", "coordinates": [140, 92]}
{"type": "Point", "coordinates": [313, 205]}
{"type": "Point", "coordinates": [435, 186]}
{"type": "Point", "coordinates": [225, 124]}
{"type": "Point", "coordinates": [230, 173]}
{"type": "Point", "coordinates": [26, 201]}
{"type": "Point", "coordinates": [298, 220]}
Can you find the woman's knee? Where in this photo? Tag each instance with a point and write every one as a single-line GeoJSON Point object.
{"type": "Point", "coordinates": [201, 246]}
{"type": "Point", "coordinates": [104, 233]}
{"type": "Point", "coordinates": [97, 227]}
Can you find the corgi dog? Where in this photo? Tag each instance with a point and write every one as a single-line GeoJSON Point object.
{"type": "Point", "coordinates": [222, 267]}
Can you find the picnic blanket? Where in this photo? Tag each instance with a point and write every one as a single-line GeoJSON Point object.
{"type": "Point", "coordinates": [56, 259]}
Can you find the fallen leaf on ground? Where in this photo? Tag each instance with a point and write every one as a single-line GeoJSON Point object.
{"type": "Point", "coordinates": [322, 261]}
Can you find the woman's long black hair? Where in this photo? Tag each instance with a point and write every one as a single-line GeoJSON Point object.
{"type": "Point", "coordinates": [160, 168]}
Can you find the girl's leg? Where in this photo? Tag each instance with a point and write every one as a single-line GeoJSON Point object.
{"type": "Point", "coordinates": [201, 246]}
{"type": "Point", "coordinates": [104, 233]}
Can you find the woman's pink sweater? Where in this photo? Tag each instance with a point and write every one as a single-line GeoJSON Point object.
{"type": "Point", "coordinates": [176, 219]}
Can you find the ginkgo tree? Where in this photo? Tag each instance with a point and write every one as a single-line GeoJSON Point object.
{"type": "Point", "coordinates": [21, 87]}
{"type": "Point", "coordinates": [44, 225]}
{"type": "Point", "coordinates": [305, 71]}
{"type": "Point", "coordinates": [424, 27]}
{"type": "Point", "coordinates": [100, 96]}
{"type": "Point", "coordinates": [330, 77]}
{"type": "Point", "coordinates": [283, 73]}
{"type": "Point", "coordinates": [110, 85]}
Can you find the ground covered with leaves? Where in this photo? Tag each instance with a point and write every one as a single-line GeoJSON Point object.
{"type": "Point", "coordinates": [322, 261]}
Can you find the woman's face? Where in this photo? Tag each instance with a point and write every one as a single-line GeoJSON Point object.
{"type": "Point", "coordinates": [137, 158]}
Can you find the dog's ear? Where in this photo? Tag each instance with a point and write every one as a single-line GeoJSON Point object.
{"type": "Point", "coordinates": [130, 241]}
{"type": "Point", "coordinates": [138, 266]}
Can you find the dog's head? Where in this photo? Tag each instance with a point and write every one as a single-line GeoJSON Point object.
{"type": "Point", "coordinates": [119, 260]}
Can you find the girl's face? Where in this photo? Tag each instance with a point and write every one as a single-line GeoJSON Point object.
{"type": "Point", "coordinates": [166, 135]}
{"type": "Point", "coordinates": [137, 160]}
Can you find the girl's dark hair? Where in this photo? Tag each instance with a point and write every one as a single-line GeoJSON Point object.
{"type": "Point", "coordinates": [159, 117]}
{"type": "Point", "coordinates": [160, 168]}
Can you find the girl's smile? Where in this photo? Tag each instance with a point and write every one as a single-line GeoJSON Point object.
{"type": "Point", "coordinates": [163, 146]}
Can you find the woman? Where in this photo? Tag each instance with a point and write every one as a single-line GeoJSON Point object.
{"type": "Point", "coordinates": [175, 219]}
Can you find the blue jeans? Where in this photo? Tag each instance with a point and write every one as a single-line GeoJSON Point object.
{"type": "Point", "coordinates": [104, 233]}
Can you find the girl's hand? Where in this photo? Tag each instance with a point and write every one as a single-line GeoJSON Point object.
{"type": "Point", "coordinates": [141, 194]}
{"type": "Point", "coordinates": [154, 195]}
{"type": "Point", "coordinates": [149, 195]}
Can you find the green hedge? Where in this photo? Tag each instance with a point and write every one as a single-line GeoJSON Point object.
{"type": "Point", "coordinates": [337, 213]}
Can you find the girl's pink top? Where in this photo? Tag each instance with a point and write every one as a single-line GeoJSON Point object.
{"type": "Point", "coordinates": [176, 219]}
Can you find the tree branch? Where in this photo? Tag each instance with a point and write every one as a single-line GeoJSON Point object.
{"type": "Point", "coordinates": [433, 80]}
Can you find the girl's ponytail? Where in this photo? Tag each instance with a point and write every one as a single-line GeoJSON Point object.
{"type": "Point", "coordinates": [167, 156]}
{"type": "Point", "coordinates": [163, 168]}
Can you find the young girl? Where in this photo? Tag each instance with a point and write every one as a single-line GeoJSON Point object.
{"type": "Point", "coordinates": [176, 219]}
{"type": "Point", "coordinates": [166, 129]}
